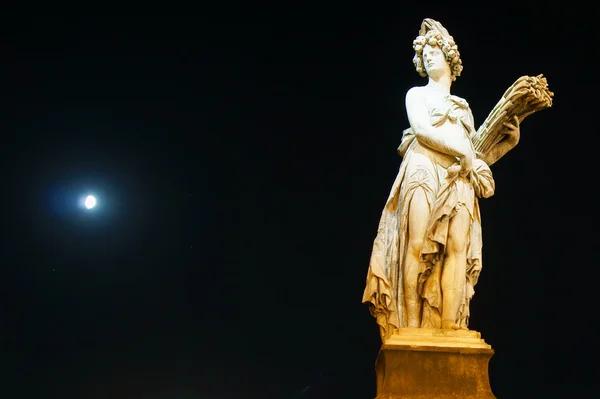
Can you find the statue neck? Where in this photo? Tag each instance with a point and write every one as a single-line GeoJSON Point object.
{"type": "Point", "coordinates": [440, 85]}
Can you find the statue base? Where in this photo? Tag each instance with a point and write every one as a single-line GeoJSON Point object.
{"type": "Point", "coordinates": [417, 363]}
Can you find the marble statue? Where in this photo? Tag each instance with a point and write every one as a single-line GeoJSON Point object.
{"type": "Point", "coordinates": [427, 254]}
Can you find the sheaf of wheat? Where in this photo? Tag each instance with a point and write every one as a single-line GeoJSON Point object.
{"type": "Point", "coordinates": [527, 95]}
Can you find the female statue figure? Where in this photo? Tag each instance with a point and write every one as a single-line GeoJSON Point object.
{"type": "Point", "coordinates": [426, 257]}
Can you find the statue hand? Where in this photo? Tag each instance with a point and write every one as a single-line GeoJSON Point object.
{"type": "Point", "coordinates": [453, 170]}
{"type": "Point", "coordinates": [466, 165]}
{"type": "Point", "coordinates": [512, 131]}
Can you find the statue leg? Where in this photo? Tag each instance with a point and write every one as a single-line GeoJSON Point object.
{"type": "Point", "coordinates": [418, 217]}
{"type": "Point", "coordinates": [455, 268]}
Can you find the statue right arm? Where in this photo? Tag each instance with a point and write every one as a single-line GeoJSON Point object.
{"type": "Point", "coordinates": [447, 138]}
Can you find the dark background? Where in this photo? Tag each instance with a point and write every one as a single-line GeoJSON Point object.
{"type": "Point", "coordinates": [241, 165]}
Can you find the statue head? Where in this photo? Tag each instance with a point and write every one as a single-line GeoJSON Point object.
{"type": "Point", "coordinates": [434, 34]}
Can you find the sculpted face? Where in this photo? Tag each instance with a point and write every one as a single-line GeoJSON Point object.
{"type": "Point", "coordinates": [435, 61]}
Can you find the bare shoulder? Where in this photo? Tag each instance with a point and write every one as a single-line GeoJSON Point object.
{"type": "Point", "coordinates": [415, 93]}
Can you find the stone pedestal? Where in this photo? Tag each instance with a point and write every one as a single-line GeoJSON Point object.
{"type": "Point", "coordinates": [420, 363]}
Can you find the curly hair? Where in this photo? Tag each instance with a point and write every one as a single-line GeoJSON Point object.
{"type": "Point", "coordinates": [449, 48]}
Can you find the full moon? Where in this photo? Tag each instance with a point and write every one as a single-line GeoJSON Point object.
{"type": "Point", "coordinates": [90, 201]}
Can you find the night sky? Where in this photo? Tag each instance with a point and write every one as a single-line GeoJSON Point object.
{"type": "Point", "coordinates": [241, 165]}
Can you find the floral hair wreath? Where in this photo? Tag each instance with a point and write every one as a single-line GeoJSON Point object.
{"type": "Point", "coordinates": [449, 48]}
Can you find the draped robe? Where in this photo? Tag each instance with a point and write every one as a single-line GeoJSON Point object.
{"type": "Point", "coordinates": [425, 168]}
